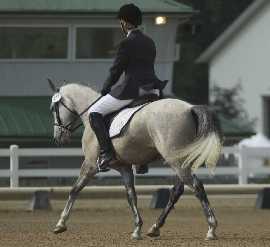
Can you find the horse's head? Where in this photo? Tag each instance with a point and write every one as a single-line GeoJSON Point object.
{"type": "Point", "coordinates": [64, 114]}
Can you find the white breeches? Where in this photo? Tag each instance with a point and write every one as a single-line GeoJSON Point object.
{"type": "Point", "coordinates": [108, 104]}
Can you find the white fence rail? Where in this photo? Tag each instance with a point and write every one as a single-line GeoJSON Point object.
{"type": "Point", "coordinates": [245, 155]}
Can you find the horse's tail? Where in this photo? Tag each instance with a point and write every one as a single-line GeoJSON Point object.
{"type": "Point", "coordinates": [206, 147]}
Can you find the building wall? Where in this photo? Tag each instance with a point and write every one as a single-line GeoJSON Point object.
{"type": "Point", "coordinates": [29, 77]}
{"type": "Point", "coordinates": [245, 60]}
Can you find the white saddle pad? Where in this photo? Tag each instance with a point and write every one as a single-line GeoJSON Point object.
{"type": "Point", "coordinates": [121, 120]}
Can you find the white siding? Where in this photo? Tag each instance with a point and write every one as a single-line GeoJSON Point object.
{"type": "Point", "coordinates": [246, 60]}
{"type": "Point", "coordinates": [29, 77]}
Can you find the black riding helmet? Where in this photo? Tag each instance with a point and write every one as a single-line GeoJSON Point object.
{"type": "Point", "coordinates": [130, 13]}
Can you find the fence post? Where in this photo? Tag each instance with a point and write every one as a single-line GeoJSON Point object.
{"type": "Point", "coordinates": [14, 166]}
{"type": "Point", "coordinates": [243, 166]}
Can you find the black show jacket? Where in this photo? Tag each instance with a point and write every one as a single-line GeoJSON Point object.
{"type": "Point", "coordinates": [135, 57]}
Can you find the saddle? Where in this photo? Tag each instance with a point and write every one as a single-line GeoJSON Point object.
{"type": "Point", "coordinates": [140, 101]}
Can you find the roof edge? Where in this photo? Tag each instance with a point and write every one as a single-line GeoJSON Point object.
{"type": "Point", "coordinates": [244, 18]}
{"type": "Point", "coordinates": [90, 12]}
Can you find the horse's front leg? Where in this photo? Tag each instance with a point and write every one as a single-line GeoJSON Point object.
{"type": "Point", "coordinates": [175, 194]}
{"type": "Point", "coordinates": [128, 178]}
{"type": "Point", "coordinates": [86, 173]}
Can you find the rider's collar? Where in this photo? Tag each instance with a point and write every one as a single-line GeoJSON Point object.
{"type": "Point", "coordinates": [131, 30]}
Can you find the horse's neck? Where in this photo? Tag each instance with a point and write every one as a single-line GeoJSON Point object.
{"type": "Point", "coordinates": [83, 105]}
{"type": "Point", "coordinates": [82, 98]}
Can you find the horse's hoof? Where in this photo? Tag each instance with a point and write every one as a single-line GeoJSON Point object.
{"type": "Point", "coordinates": [59, 229]}
{"type": "Point", "coordinates": [211, 236]}
{"type": "Point", "coordinates": [153, 232]}
{"type": "Point", "coordinates": [136, 236]}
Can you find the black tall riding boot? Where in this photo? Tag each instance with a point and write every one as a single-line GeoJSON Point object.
{"type": "Point", "coordinates": [106, 155]}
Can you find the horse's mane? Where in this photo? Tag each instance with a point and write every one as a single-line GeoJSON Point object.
{"type": "Point", "coordinates": [73, 87]}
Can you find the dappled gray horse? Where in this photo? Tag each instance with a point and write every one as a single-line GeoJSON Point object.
{"type": "Point", "coordinates": [185, 136]}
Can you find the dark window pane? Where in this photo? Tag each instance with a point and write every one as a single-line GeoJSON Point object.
{"type": "Point", "coordinates": [33, 42]}
{"type": "Point", "coordinates": [97, 42]}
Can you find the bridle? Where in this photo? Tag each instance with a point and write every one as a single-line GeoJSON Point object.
{"type": "Point", "coordinates": [59, 123]}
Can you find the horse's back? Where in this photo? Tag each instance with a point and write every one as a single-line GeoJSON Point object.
{"type": "Point", "coordinates": [169, 105]}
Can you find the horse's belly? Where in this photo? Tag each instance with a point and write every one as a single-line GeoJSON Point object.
{"type": "Point", "coordinates": [134, 150]}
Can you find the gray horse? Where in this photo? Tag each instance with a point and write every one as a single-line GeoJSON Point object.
{"type": "Point", "coordinates": [184, 135]}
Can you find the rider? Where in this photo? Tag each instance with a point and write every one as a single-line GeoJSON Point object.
{"type": "Point", "coordinates": [135, 56]}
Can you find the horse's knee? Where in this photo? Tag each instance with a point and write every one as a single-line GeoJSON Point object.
{"type": "Point", "coordinates": [73, 193]}
{"type": "Point", "coordinates": [82, 181]}
{"type": "Point", "coordinates": [91, 171]}
{"type": "Point", "coordinates": [87, 169]}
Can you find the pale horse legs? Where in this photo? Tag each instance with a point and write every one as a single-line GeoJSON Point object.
{"type": "Point", "coordinates": [128, 178]}
{"type": "Point", "coordinates": [82, 181]}
{"type": "Point", "coordinates": [197, 187]}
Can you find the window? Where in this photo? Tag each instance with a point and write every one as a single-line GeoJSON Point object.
{"type": "Point", "coordinates": [96, 42]}
{"type": "Point", "coordinates": [33, 43]}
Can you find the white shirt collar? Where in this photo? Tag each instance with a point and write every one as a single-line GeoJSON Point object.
{"type": "Point", "coordinates": [129, 31]}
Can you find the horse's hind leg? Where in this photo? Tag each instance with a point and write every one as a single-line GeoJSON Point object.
{"type": "Point", "coordinates": [197, 186]}
{"type": "Point", "coordinates": [86, 173]}
{"type": "Point", "coordinates": [175, 194]}
{"type": "Point", "coordinates": [128, 178]}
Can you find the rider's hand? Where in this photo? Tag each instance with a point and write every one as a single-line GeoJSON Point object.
{"type": "Point", "coordinates": [105, 91]}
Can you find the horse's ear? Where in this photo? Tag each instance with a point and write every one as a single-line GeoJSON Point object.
{"type": "Point", "coordinates": [52, 86]}
{"type": "Point", "coordinates": [64, 83]}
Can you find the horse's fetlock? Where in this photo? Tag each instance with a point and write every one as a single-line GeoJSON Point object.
{"type": "Point", "coordinates": [138, 222]}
